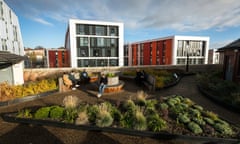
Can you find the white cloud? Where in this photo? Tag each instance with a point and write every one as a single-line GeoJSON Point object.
{"type": "Point", "coordinates": [42, 21]}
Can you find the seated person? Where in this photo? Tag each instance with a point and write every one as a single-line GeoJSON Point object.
{"type": "Point", "coordinates": [103, 83]}
{"type": "Point", "coordinates": [67, 81]}
{"type": "Point", "coordinates": [72, 78]}
{"type": "Point", "coordinates": [139, 77]}
{"type": "Point", "coordinates": [84, 77]}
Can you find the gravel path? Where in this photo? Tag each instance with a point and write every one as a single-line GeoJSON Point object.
{"type": "Point", "coordinates": [11, 133]}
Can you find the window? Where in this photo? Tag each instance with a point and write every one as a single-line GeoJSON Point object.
{"type": "Point", "coordinates": [82, 42]}
{"type": "Point", "coordinates": [1, 10]}
{"type": "Point", "coordinates": [100, 42]}
{"type": "Point", "coordinates": [113, 31]}
{"type": "Point", "coordinates": [82, 29]}
{"type": "Point", "coordinates": [63, 57]}
{"type": "Point", "coordinates": [101, 30]}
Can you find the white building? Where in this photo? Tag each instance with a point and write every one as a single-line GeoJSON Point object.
{"type": "Point", "coordinates": [94, 43]}
{"type": "Point", "coordinates": [213, 56]}
{"type": "Point", "coordinates": [10, 41]}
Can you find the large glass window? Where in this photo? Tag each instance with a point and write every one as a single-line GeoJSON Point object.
{"type": "Point", "coordinates": [100, 42]}
{"type": "Point", "coordinates": [82, 29]}
{"type": "Point", "coordinates": [101, 30]}
{"type": "Point", "coordinates": [113, 31]}
{"type": "Point", "coordinates": [82, 41]}
{"type": "Point", "coordinates": [83, 63]}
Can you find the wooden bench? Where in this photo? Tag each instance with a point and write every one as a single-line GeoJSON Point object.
{"type": "Point", "coordinates": [150, 83]}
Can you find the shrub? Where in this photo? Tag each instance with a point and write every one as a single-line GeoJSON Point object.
{"type": "Point", "coordinates": [223, 129]}
{"type": "Point", "coordinates": [26, 113]}
{"type": "Point", "coordinates": [141, 98]}
{"type": "Point", "coordinates": [195, 128]}
{"type": "Point", "coordinates": [129, 105]}
{"type": "Point", "coordinates": [209, 120]}
{"type": "Point", "coordinates": [199, 121]}
{"type": "Point", "coordinates": [92, 113]}
{"type": "Point", "coordinates": [70, 115]}
{"type": "Point", "coordinates": [140, 122]}
{"type": "Point", "coordinates": [82, 118]}
{"type": "Point", "coordinates": [104, 119]}
{"type": "Point", "coordinates": [56, 112]}
{"type": "Point", "coordinates": [70, 101]}
{"type": "Point", "coordinates": [155, 123]}
{"type": "Point", "coordinates": [184, 118]}
{"type": "Point", "coordinates": [127, 120]}
{"type": "Point", "coordinates": [42, 113]}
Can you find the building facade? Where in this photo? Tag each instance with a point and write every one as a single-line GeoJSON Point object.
{"type": "Point", "coordinates": [172, 50]}
{"type": "Point", "coordinates": [11, 41]}
{"type": "Point", "coordinates": [94, 43]}
{"type": "Point", "coordinates": [213, 56]}
{"type": "Point", "coordinates": [230, 58]}
{"type": "Point", "coordinates": [58, 58]}
{"type": "Point", "coordinates": [36, 57]}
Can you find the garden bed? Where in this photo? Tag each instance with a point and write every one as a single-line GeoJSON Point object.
{"type": "Point", "coordinates": [174, 117]}
{"type": "Point", "coordinates": [27, 98]}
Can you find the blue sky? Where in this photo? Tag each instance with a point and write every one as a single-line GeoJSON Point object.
{"type": "Point", "coordinates": [44, 22]}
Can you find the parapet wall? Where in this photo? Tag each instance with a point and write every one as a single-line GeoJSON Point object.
{"type": "Point", "coordinates": [34, 74]}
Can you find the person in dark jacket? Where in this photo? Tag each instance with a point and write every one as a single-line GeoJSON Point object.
{"type": "Point", "coordinates": [84, 77]}
{"type": "Point", "coordinates": [103, 83]}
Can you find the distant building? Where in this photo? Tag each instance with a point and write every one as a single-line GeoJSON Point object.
{"type": "Point", "coordinates": [230, 58]}
{"type": "Point", "coordinates": [172, 50]}
{"type": "Point", "coordinates": [213, 56]}
{"type": "Point", "coordinates": [11, 44]}
{"type": "Point", "coordinates": [58, 58]}
{"type": "Point", "coordinates": [36, 58]}
{"type": "Point", "coordinates": [94, 43]}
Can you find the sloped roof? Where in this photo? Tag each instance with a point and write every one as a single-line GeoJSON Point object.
{"type": "Point", "coordinates": [7, 59]}
{"type": "Point", "coordinates": [233, 45]}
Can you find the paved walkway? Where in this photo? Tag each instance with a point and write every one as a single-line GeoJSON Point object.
{"type": "Point", "coordinates": [11, 133]}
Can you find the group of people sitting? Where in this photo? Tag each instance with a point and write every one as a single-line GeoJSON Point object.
{"type": "Point", "coordinates": [141, 76]}
{"type": "Point", "coordinates": [73, 79]}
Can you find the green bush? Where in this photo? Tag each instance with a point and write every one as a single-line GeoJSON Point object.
{"type": "Point", "coordinates": [140, 122]}
{"type": "Point", "coordinates": [56, 112]}
{"type": "Point", "coordinates": [195, 128]}
{"type": "Point", "coordinates": [184, 118]}
{"type": "Point", "coordinates": [209, 120]}
{"type": "Point", "coordinates": [104, 119]}
{"type": "Point", "coordinates": [127, 121]}
{"type": "Point", "coordinates": [223, 129]}
{"type": "Point", "coordinates": [26, 113]}
{"type": "Point", "coordinates": [92, 113]}
{"type": "Point", "coordinates": [155, 123]}
{"type": "Point", "coordinates": [42, 113]}
{"type": "Point", "coordinates": [70, 115]}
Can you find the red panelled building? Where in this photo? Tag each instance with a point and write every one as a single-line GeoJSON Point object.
{"type": "Point", "coordinates": [58, 58]}
{"type": "Point", "coordinates": [167, 51]}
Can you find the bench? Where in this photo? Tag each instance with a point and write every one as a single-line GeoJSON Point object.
{"type": "Point", "coordinates": [149, 83]}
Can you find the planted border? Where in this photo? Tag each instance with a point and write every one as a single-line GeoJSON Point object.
{"type": "Point", "coordinates": [174, 117]}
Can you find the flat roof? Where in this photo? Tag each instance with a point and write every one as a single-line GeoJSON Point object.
{"type": "Point", "coordinates": [7, 59]}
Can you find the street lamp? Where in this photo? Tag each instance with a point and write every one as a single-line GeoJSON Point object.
{"type": "Point", "coordinates": [187, 64]}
